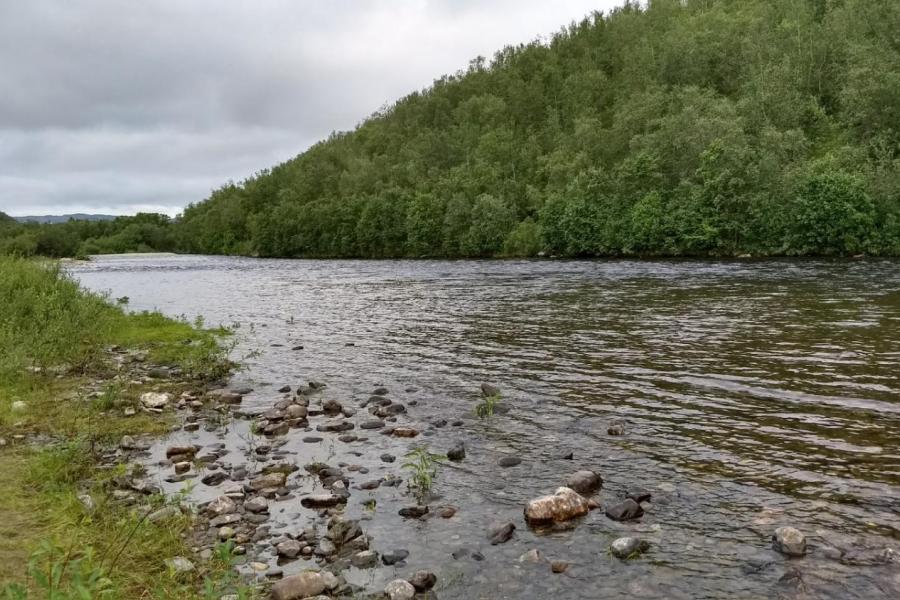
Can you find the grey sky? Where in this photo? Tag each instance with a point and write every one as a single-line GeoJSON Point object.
{"type": "Point", "coordinates": [115, 107]}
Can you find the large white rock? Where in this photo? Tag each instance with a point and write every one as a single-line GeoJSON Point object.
{"type": "Point", "coordinates": [155, 400]}
{"type": "Point", "coordinates": [790, 541]}
{"type": "Point", "coordinates": [304, 585]}
{"type": "Point", "coordinates": [400, 589]}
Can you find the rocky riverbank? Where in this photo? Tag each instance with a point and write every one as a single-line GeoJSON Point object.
{"type": "Point", "coordinates": [291, 490]}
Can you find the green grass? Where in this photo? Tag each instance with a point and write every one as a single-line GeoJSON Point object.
{"type": "Point", "coordinates": [54, 340]}
{"type": "Point", "coordinates": [485, 408]}
{"type": "Point", "coordinates": [423, 468]}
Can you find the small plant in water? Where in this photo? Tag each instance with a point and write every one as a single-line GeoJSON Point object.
{"type": "Point", "coordinates": [424, 467]}
{"type": "Point", "coordinates": [370, 505]}
{"type": "Point", "coordinates": [485, 408]}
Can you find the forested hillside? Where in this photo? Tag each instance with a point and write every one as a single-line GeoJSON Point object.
{"type": "Point", "coordinates": [682, 127]}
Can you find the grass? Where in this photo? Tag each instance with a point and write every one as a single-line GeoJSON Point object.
{"type": "Point", "coordinates": [54, 338]}
{"type": "Point", "coordinates": [423, 467]}
{"type": "Point", "coordinates": [485, 408]}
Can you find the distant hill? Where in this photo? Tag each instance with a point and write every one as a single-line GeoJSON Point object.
{"type": "Point", "coordinates": [64, 218]}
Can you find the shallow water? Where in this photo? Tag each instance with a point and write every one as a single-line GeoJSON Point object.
{"type": "Point", "coordinates": [756, 394]}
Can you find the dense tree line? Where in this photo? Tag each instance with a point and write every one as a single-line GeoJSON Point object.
{"type": "Point", "coordinates": [675, 127]}
{"type": "Point", "coordinates": [144, 232]}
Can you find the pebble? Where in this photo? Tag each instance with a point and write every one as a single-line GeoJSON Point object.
{"type": "Point", "coordinates": [559, 566]}
{"type": "Point", "coordinates": [509, 461]}
{"type": "Point", "coordinates": [501, 533]}
{"type": "Point", "coordinates": [457, 452]}
{"type": "Point", "coordinates": [394, 557]}
{"type": "Point", "coordinates": [400, 589]}
{"type": "Point", "coordinates": [628, 547]}
{"type": "Point", "coordinates": [584, 482]}
{"type": "Point", "coordinates": [789, 541]}
{"type": "Point", "coordinates": [423, 580]}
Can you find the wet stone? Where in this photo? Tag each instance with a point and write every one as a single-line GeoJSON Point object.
{"type": "Point", "coordinates": [638, 494]}
{"type": "Point", "coordinates": [400, 589]}
{"type": "Point", "coordinates": [789, 541]}
{"type": "Point", "coordinates": [394, 557]}
{"type": "Point", "coordinates": [215, 478]}
{"type": "Point", "coordinates": [584, 482]}
{"type": "Point", "coordinates": [559, 566]}
{"type": "Point", "coordinates": [312, 439]}
{"type": "Point", "coordinates": [423, 580]}
{"type": "Point", "coordinates": [501, 533]}
{"type": "Point", "coordinates": [625, 510]}
{"type": "Point", "coordinates": [365, 559]}
{"type": "Point", "coordinates": [413, 512]}
{"type": "Point", "coordinates": [628, 547]}
{"type": "Point", "coordinates": [289, 549]}
{"type": "Point", "coordinates": [457, 452]}
{"type": "Point", "coordinates": [509, 461]}
{"type": "Point", "coordinates": [372, 424]}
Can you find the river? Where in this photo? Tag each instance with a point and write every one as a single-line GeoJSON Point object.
{"type": "Point", "coordinates": [755, 394]}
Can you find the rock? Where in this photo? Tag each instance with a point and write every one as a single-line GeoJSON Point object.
{"type": "Point", "coordinates": [172, 451]}
{"type": "Point", "coordinates": [394, 557]}
{"type": "Point", "coordinates": [628, 547]}
{"type": "Point", "coordinates": [789, 541]}
{"type": "Point", "coordinates": [164, 513]}
{"type": "Point", "coordinates": [400, 589]}
{"type": "Point", "coordinates": [388, 458]}
{"type": "Point", "coordinates": [271, 480]}
{"type": "Point", "coordinates": [625, 511]}
{"type": "Point", "coordinates": [312, 439]}
{"type": "Point", "coordinates": [182, 467]}
{"type": "Point", "coordinates": [127, 443]}
{"type": "Point", "coordinates": [335, 427]}
{"type": "Point", "coordinates": [509, 461]}
{"type": "Point", "coordinates": [563, 505]}
{"type": "Point", "coordinates": [228, 519]}
{"type": "Point", "coordinates": [372, 424]}
{"type": "Point", "coordinates": [257, 505]}
{"type": "Point", "coordinates": [380, 391]}
{"type": "Point", "coordinates": [488, 389]}
{"type": "Point", "coordinates": [87, 502]}
{"type": "Point", "coordinates": [391, 410]}
{"type": "Point", "coordinates": [295, 411]}
{"type": "Point", "coordinates": [223, 505]}
{"type": "Point", "coordinates": [332, 407]}
{"type": "Point", "coordinates": [559, 566]}
{"type": "Point", "coordinates": [365, 559]}
{"type": "Point", "coordinates": [322, 501]}
{"type": "Point", "coordinates": [446, 512]}
{"type": "Point", "coordinates": [289, 549]}
{"type": "Point", "coordinates": [405, 432]}
{"type": "Point", "coordinates": [565, 455]}
{"type": "Point", "coordinates": [155, 400]}
{"type": "Point", "coordinates": [584, 482]}
{"type": "Point", "coordinates": [532, 556]}
{"type": "Point", "coordinates": [501, 533]}
{"type": "Point", "coordinates": [225, 533]}
{"type": "Point", "coordinates": [285, 389]}
{"type": "Point", "coordinates": [370, 485]}
{"type": "Point", "coordinates": [423, 580]}
{"type": "Point", "coordinates": [638, 494]}
{"type": "Point", "coordinates": [617, 427]}
{"type": "Point", "coordinates": [304, 585]}
{"type": "Point", "coordinates": [413, 512]}
{"type": "Point", "coordinates": [214, 478]}
{"type": "Point", "coordinates": [457, 452]}
{"type": "Point", "coordinates": [179, 565]}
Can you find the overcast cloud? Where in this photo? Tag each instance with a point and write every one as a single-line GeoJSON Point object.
{"type": "Point", "coordinates": [119, 107]}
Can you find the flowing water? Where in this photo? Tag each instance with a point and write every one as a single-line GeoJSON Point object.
{"type": "Point", "coordinates": [756, 394]}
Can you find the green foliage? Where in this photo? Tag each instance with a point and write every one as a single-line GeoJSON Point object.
{"type": "Point", "coordinates": [423, 467]}
{"type": "Point", "coordinates": [833, 215]}
{"type": "Point", "coordinates": [60, 574]}
{"type": "Point", "coordinates": [485, 408]}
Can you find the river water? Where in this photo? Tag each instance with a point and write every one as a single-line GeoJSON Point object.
{"type": "Point", "coordinates": [756, 394]}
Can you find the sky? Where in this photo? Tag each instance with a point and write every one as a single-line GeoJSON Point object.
{"type": "Point", "coordinates": [119, 107]}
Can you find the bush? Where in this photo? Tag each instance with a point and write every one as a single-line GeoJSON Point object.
{"type": "Point", "coordinates": [833, 214]}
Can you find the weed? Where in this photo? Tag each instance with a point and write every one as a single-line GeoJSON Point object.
{"type": "Point", "coordinates": [424, 468]}
{"type": "Point", "coordinates": [485, 408]}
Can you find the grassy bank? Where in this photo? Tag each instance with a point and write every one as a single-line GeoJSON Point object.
{"type": "Point", "coordinates": [72, 369]}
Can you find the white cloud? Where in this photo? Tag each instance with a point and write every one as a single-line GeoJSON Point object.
{"type": "Point", "coordinates": [118, 107]}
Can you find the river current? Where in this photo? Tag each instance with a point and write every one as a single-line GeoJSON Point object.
{"type": "Point", "coordinates": [755, 394]}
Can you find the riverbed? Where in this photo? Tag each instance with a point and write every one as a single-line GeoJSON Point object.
{"type": "Point", "coordinates": [754, 395]}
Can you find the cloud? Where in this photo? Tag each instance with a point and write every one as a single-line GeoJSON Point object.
{"type": "Point", "coordinates": [115, 106]}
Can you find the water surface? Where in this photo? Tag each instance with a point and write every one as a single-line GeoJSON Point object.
{"type": "Point", "coordinates": [756, 394]}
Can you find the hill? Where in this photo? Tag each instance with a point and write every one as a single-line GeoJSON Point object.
{"type": "Point", "coordinates": [64, 218]}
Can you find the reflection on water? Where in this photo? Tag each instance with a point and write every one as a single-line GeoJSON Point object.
{"type": "Point", "coordinates": [756, 394]}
